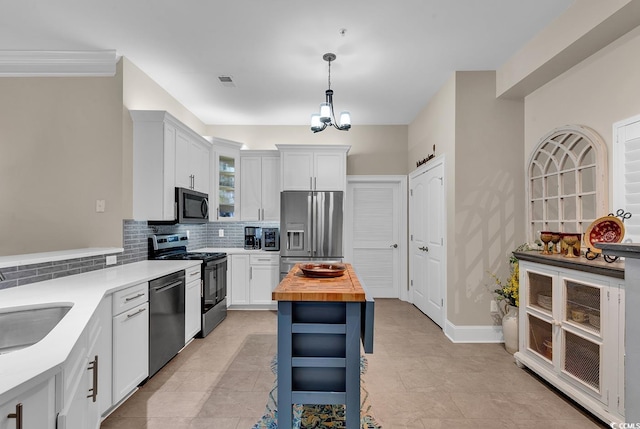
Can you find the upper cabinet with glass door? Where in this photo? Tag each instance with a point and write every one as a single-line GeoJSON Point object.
{"type": "Point", "coordinates": [226, 186]}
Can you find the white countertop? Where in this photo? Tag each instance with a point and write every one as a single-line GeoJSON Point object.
{"type": "Point", "coordinates": [84, 292]}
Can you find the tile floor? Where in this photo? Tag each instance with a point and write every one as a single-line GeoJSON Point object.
{"type": "Point", "coordinates": [417, 379]}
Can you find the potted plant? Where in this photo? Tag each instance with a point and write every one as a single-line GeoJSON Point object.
{"type": "Point", "coordinates": [508, 292]}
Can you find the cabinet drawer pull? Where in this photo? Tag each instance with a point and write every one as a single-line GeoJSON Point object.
{"type": "Point", "coordinates": [17, 415]}
{"type": "Point", "coordinates": [195, 273]}
{"type": "Point", "coordinates": [131, 298]}
{"type": "Point", "coordinates": [93, 366]}
{"type": "Point", "coordinates": [129, 316]}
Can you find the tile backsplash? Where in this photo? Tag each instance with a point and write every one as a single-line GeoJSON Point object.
{"type": "Point", "coordinates": [136, 248]}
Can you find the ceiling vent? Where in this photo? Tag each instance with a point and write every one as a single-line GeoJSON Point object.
{"type": "Point", "coordinates": [227, 81]}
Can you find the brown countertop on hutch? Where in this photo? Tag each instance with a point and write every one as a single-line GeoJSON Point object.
{"type": "Point", "coordinates": [297, 287]}
{"type": "Point", "coordinates": [595, 266]}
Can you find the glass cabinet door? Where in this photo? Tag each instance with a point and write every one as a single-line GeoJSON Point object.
{"type": "Point", "coordinates": [226, 187]}
{"type": "Point", "coordinates": [582, 334]}
{"type": "Point", "coordinates": [540, 314]}
{"type": "Point", "coordinates": [540, 338]}
{"type": "Point", "coordinates": [540, 292]}
{"type": "Point", "coordinates": [582, 306]}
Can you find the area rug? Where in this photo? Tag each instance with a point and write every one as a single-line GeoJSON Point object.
{"type": "Point", "coordinates": [317, 416]}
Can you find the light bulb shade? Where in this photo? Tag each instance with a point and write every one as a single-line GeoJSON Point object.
{"type": "Point", "coordinates": [316, 124]}
{"type": "Point", "coordinates": [325, 112]}
{"type": "Point", "coordinates": [345, 119]}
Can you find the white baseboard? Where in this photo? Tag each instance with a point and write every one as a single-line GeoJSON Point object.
{"type": "Point", "coordinates": [473, 334]}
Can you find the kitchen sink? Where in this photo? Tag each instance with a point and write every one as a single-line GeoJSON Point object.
{"type": "Point", "coordinates": [23, 327]}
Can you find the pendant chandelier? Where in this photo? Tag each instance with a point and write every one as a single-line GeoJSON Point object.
{"type": "Point", "coordinates": [326, 117]}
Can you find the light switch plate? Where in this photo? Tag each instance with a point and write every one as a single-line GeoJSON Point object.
{"type": "Point", "coordinates": [221, 233]}
{"type": "Point", "coordinates": [100, 206]}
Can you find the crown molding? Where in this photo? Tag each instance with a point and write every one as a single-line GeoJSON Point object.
{"type": "Point", "coordinates": [57, 63]}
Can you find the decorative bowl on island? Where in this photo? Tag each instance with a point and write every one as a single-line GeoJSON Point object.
{"type": "Point", "coordinates": [323, 270]}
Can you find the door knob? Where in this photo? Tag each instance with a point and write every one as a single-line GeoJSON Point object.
{"type": "Point", "coordinates": [424, 249]}
{"type": "Point", "coordinates": [395, 246]}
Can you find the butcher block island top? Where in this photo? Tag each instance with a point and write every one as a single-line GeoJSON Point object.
{"type": "Point", "coordinates": [298, 287]}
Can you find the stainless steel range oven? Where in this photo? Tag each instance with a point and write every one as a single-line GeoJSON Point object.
{"type": "Point", "coordinates": [214, 275]}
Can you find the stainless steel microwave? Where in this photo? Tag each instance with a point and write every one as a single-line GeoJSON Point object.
{"type": "Point", "coordinates": [192, 206]}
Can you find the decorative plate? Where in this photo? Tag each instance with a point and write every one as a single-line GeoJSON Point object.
{"type": "Point", "coordinates": [323, 270]}
{"type": "Point", "coordinates": [607, 229]}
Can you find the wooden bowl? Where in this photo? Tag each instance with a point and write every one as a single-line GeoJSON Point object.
{"type": "Point", "coordinates": [320, 270]}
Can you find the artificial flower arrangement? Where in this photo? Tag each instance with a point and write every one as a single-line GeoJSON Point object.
{"type": "Point", "coordinates": [509, 291]}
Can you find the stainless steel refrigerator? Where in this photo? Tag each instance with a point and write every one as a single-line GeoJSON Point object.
{"type": "Point", "coordinates": [310, 227]}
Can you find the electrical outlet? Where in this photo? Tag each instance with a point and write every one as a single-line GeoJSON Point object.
{"type": "Point", "coordinates": [221, 232]}
{"type": "Point", "coordinates": [111, 260]}
{"type": "Point", "coordinates": [494, 306]}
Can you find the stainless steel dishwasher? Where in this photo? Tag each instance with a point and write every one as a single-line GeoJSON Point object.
{"type": "Point", "coordinates": [166, 319]}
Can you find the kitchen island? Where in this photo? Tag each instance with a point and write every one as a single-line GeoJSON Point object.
{"type": "Point", "coordinates": [321, 322]}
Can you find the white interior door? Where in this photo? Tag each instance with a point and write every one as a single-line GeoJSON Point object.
{"type": "Point", "coordinates": [426, 240]}
{"type": "Point", "coordinates": [375, 233]}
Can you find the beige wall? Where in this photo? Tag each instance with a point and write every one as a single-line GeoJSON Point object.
{"type": "Point", "coordinates": [61, 150]}
{"type": "Point", "coordinates": [489, 195]}
{"type": "Point", "coordinates": [481, 138]}
{"type": "Point", "coordinates": [375, 149]}
{"type": "Point", "coordinates": [598, 92]}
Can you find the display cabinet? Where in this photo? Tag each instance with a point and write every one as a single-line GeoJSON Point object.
{"type": "Point", "coordinates": [570, 334]}
{"type": "Point", "coordinates": [226, 162]}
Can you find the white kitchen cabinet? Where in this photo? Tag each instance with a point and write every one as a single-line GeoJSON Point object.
{"type": "Point", "coordinates": [37, 406]}
{"type": "Point", "coordinates": [260, 179]}
{"type": "Point", "coordinates": [263, 278]}
{"type": "Point", "coordinates": [192, 163]}
{"type": "Point", "coordinates": [570, 334]}
{"type": "Point", "coordinates": [166, 154]}
{"type": "Point", "coordinates": [239, 285]}
{"type": "Point", "coordinates": [86, 375]}
{"type": "Point", "coordinates": [130, 339]}
{"type": "Point", "coordinates": [192, 303]}
{"type": "Point", "coordinates": [313, 167]}
{"type": "Point", "coordinates": [226, 181]}
{"type": "Point", "coordinates": [253, 277]}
